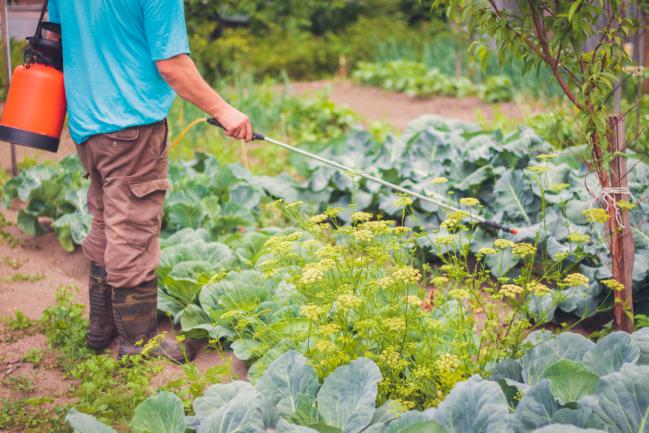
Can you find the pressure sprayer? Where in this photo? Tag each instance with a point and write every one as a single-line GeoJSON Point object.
{"type": "Point", "coordinates": [437, 201]}
{"type": "Point", "coordinates": [35, 110]}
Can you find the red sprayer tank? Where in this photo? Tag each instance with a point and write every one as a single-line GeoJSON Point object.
{"type": "Point", "coordinates": [34, 113]}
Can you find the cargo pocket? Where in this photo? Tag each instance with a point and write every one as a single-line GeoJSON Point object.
{"type": "Point", "coordinates": [129, 134]}
{"type": "Point", "coordinates": [146, 199]}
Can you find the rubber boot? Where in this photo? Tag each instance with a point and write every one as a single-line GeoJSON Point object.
{"type": "Point", "coordinates": [101, 325]}
{"type": "Point", "coordinates": [135, 311]}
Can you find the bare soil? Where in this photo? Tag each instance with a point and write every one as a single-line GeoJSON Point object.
{"type": "Point", "coordinates": [42, 256]}
{"type": "Point", "coordinates": [398, 109]}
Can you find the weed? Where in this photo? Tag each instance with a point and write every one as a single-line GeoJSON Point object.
{"type": "Point", "coordinates": [641, 321]}
{"type": "Point", "coordinates": [193, 383]}
{"type": "Point", "coordinates": [5, 236]}
{"type": "Point", "coordinates": [19, 383]}
{"type": "Point", "coordinates": [20, 322]}
{"type": "Point", "coordinates": [21, 277]}
{"type": "Point", "coordinates": [33, 356]}
{"type": "Point", "coordinates": [32, 414]}
{"type": "Point", "coordinates": [14, 264]}
{"type": "Point", "coordinates": [65, 328]}
{"type": "Point", "coordinates": [110, 389]}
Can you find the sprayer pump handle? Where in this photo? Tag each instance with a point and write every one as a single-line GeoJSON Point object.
{"type": "Point", "coordinates": [255, 135]}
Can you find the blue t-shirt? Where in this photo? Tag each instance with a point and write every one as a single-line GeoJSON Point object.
{"type": "Point", "coordinates": [109, 52]}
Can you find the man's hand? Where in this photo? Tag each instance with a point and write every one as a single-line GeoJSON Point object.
{"type": "Point", "coordinates": [235, 123]}
{"type": "Point", "coordinates": [181, 74]}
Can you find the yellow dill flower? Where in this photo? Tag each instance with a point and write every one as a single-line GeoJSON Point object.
{"type": "Point", "coordinates": [403, 201]}
{"type": "Point", "coordinates": [391, 358]}
{"type": "Point", "coordinates": [503, 244]}
{"type": "Point", "coordinates": [523, 249]}
{"type": "Point", "coordinates": [329, 252]}
{"type": "Point", "coordinates": [459, 294]}
{"type": "Point", "coordinates": [314, 272]}
{"type": "Point", "coordinates": [349, 301]}
{"type": "Point", "coordinates": [311, 312]}
{"type": "Point", "coordinates": [448, 240]}
{"type": "Point", "coordinates": [365, 324]}
{"type": "Point", "coordinates": [625, 205]}
{"type": "Point", "coordinates": [315, 219]}
{"type": "Point", "coordinates": [558, 187]}
{"type": "Point", "coordinates": [231, 314]}
{"type": "Point", "coordinates": [363, 235]}
{"type": "Point", "coordinates": [487, 251]}
{"type": "Point", "coordinates": [295, 204]}
{"type": "Point", "coordinates": [358, 217]}
{"type": "Point", "coordinates": [439, 281]}
{"type": "Point", "coordinates": [376, 226]}
{"type": "Point", "coordinates": [395, 324]}
{"type": "Point", "coordinates": [454, 220]}
{"type": "Point", "coordinates": [413, 300]}
{"type": "Point", "coordinates": [434, 324]}
{"type": "Point", "coordinates": [311, 244]}
{"type": "Point", "coordinates": [547, 156]}
{"type": "Point", "coordinates": [325, 346]}
{"type": "Point", "coordinates": [511, 290]}
{"type": "Point", "coordinates": [319, 228]}
{"type": "Point", "coordinates": [578, 238]}
{"type": "Point", "coordinates": [559, 257]}
{"type": "Point", "coordinates": [153, 343]}
{"type": "Point", "coordinates": [538, 289]}
{"type": "Point", "coordinates": [439, 180]}
{"type": "Point", "coordinates": [402, 230]}
{"type": "Point", "coordinates": [595, 215]}
{"type": "Point", "coordinates": [385, 282]}
{"type": "Point", "coordinates": [328, 329]}
{"type": "Point", "coordinates": [576, 279]}
{"type": "Point", "coordinates": [537, 169]}
{"type": "Point", "coordinates": [470, 201]}
{"type": "Point", "coordinates": [614, 285]}
{"type": "Point", "coordinates": [333, 212]}
{"type": "Point", "coordinates": [406, 274]}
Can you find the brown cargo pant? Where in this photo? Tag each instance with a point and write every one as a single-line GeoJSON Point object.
{"type": "Point", "coordinates": [128, 182]}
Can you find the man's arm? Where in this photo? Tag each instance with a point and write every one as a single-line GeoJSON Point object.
{"type": "Point", "coordinates": [181, 74]}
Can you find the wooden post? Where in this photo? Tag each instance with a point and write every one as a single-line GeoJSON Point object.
{"type": "Point", "coordinates": [621, 241]}
{"type": "Point", "coordinates": [6, 49]}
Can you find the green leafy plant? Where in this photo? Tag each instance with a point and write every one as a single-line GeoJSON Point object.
{"type": "Point", "coordinates": [416, 79]}
{"type": "Point", "coordinates": [57, 192]}
{"type": "Point", "coordinates": [564, 383]}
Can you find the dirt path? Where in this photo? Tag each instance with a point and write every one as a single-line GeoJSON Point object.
{"type": "Point", "coordinates": [398, 109]}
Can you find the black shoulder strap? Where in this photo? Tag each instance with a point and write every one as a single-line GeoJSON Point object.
{"type": "Point", "coordinates": [39, 28]}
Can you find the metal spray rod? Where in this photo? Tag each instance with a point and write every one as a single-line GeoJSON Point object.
{"type": "Point", "coordinates": [439, 203]}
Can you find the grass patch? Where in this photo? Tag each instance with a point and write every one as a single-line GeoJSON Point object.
{"type": "Point", "coordinates": [14, 264]}
{"type": "Point", "coordinates": [21, 277]}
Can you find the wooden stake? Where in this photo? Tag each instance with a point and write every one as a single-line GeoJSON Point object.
{"type": "Point", "coordinates": [621, 241]}
{"type": "Point", "coordinates": [6, 49]}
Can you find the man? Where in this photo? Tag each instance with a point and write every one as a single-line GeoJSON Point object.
{"type": "Point", "coordinates": [123, 60]}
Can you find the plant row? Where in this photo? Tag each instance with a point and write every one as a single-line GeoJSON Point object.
{"type": "Point", "coordinates": [416, 79]}
{"type": "Point", "coordinates": [564, 384]}
{"type": "Point", "coordinates": [513, 179]}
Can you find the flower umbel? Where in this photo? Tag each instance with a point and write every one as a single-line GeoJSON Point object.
{"type": "Point", "coordinates": [576, 279]}
{"type": "Point", "coordinates": [596, 215]}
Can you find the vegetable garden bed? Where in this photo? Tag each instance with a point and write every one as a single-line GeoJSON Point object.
{"type": "Point", "coordinates": [327, 286]}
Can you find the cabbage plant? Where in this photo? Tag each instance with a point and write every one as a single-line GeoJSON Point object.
{"type": "Point", "coordinates": [566, 384]}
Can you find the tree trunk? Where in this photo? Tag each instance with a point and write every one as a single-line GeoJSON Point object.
{"type": "Point", "coordinates": [620, 231]}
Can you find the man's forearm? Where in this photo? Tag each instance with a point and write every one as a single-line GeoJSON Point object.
{"type": "Point", "coordinates": [181, 74]}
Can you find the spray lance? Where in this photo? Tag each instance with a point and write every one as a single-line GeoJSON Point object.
{"type": "Point", "coordinates": [436, 201]}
